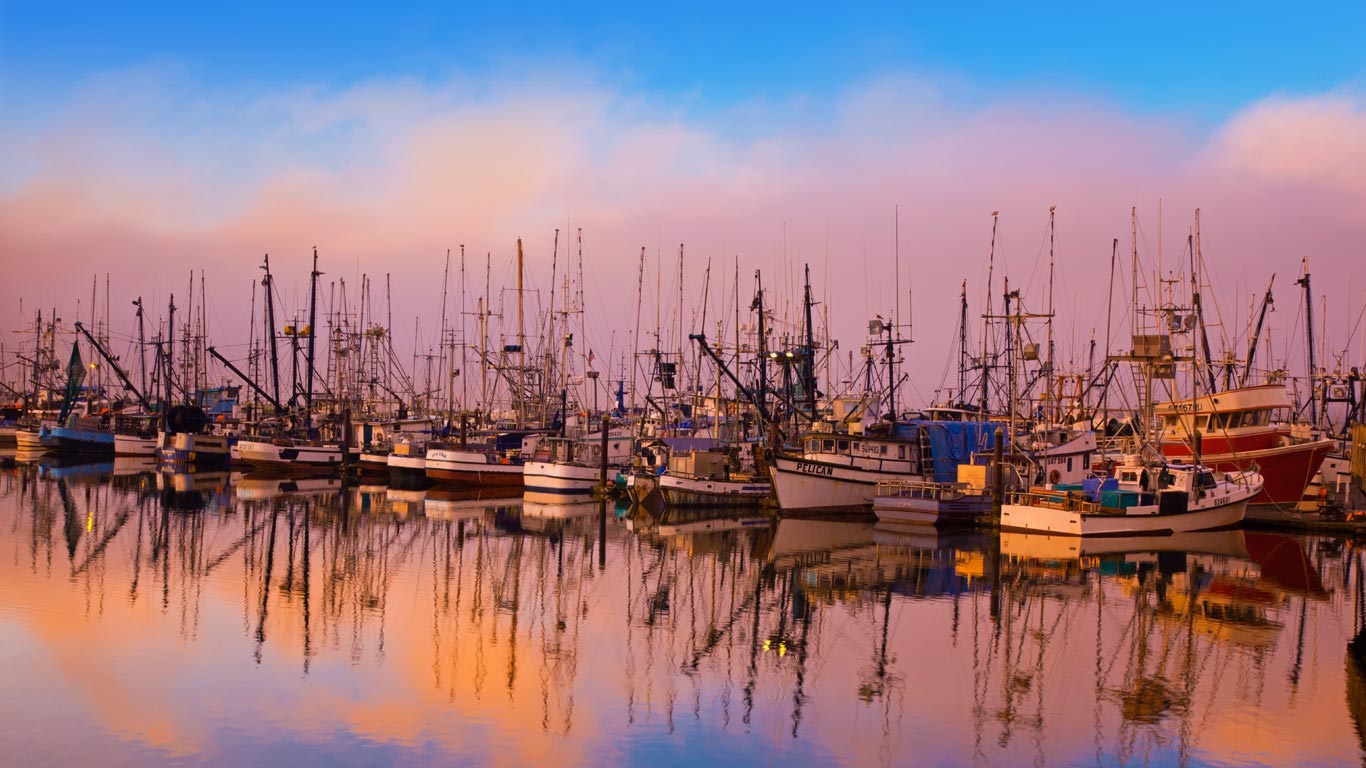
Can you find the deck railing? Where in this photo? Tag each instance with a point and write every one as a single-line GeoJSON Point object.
{"type": "Point", "coordinates": [1052, 500]}
{"type": "Point", "coordinates": [921, 489]}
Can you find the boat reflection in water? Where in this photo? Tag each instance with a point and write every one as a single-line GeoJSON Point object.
{"type": "Point", "coordinates": [154, 618]}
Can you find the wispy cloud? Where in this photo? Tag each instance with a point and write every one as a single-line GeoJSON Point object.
{"type": "Point", "coordinates": [143, 173]}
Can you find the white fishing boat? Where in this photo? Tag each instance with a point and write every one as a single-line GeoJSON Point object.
{"type": "Point", "coordinates": [134, 445]}
{"type": "Point", "coordinates": [708, 478]}
{"type": "Point", "coordinates": [574, 465]}
{"type": "Point", "coordinates": [406, 463]}
{"type": "Point", "coordinates": [496, 461]}
{"type": "Point", "coordinates": [919, 502]}
{"type": "Point", "coordinates": [1143, 499]}
{"type": "Point", "coordinates": [287, 456]}
{"type": "Point", "coordinates": [836, 471]}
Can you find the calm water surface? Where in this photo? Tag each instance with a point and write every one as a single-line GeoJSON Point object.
{"type": "Point", "coordinates": [155, 619]}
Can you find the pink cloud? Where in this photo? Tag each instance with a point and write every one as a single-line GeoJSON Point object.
{"type": "Point", "coordinates": [385, 176]}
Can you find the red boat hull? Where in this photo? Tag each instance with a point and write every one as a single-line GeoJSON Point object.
{"type": "Point", "coordinates": [1286, 470]}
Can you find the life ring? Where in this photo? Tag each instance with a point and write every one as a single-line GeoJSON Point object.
{"type": "Point", "coordinates": [1054, 476]}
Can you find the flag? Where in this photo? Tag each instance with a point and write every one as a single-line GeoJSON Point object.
{"type": "Point", "coordinates": [591, 357]}
{"type": "Point", "coordinates": [75, 376]}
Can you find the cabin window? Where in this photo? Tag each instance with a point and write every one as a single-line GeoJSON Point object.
{"type": "Point", "coordinates": [1069, 463]}
{"type": "Point", "coordinates": [882, 449]}
{"type": "Point", "coordinates": [901, 451]}
{"type": "Point", "coordinates": [1171, 420]}
{"type": "Point", "coordinates": [844, 446]}
{"type": "Point", "coordinates": [829, 446]}
{"type": "Point", "coordinates": [813, 445]}
{"type": "Point", "coordinates": [1235, 420]}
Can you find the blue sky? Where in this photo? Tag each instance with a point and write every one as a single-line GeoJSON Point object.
{"type": "Point", "coordinates": [1204, 61]}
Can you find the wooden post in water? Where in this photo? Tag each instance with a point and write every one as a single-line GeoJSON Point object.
{"type": "Point", "coordinates": [602, 533]}
{"type": "Point", "coordinates": [346, 443]}
{"type": "Point", "coordinates": [602, 476]}
{"type": "Point", "coordinates": [464, 429]}
{"type": "Point", "coordinates": [997, 476]}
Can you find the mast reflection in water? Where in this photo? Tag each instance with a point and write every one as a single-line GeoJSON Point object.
{"type": "Point", "coordinates": [155, 618]}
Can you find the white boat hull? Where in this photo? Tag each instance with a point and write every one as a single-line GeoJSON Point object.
{"type": "Point", "coordinates": [188, 448]}
{"type": "Point", "coordinates": [558, 478]}
{"type": "Point", "coordinates": [132, 445]}
{"type": "Point", "coordinates": [679, 491]}
{"type": "Point", "coordinates": [462, 467]}
{"type": "Point", "coordinates": [292, 458]}
{"type": "Point", "coordinates": [1137, 521]}
{"type": "Point", "coordinates": [803, 484]}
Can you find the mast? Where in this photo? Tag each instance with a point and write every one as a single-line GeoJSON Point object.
{"type": "Point", "coordinates": [269, 284]}
{"type": "Point", "coordinates": [1256, 335]}
{"type": "Point", "coordinates": [1193, 245]}
{"type": "Point", "coordinates": [986, 318]}
{"type": "Point", "coordinates": [763, 343]}
{"type": "Point", "coordinates": [312, 320]}
{"type": "Point", "coordinates": [1109, 307]}
{"type": "Point", "coordinates": [446, 366]}
{"type": "Point", "coordinates": [635, 335]}
{"type": "Point", "coordinates": [1048, 379]}
{"type": "Point", "coordinates": [963, 342]}
{"type": "Point", "coordinates": [521, 342]}
{"type": "Point", "coordinates": [170, 351]}
{"type": "Point", "coordinates": [809, 375]}
{"type": "Point", "coordinates": [142, 347]}
{"type": "Point", "coordinates": [1309, 329]}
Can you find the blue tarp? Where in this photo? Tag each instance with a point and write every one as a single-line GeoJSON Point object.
{"type": "Point", "coordinates": [951, 442]}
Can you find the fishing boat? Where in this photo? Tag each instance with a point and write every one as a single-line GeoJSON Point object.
{"type": "Point", "coordinates": [188, 437]}
{"type": "Point", "coordinates": [9, 427]}
{"type": "Point", "coordinates": [711, 478]}
{"type": "Point", "coordinates": [290, 456]}
{"type": "Point", "coordinates": [919, 502]}
{"type": "Point", "coordinates": [84, 435]}
{"type": "Point", "coordinates": [1150, 499]}
{"type": "Point", "coordinates": [407, 464]}
{"type": "Point", "coordinates": [135, 435]}
{"type": "Point", "coordinates": [1247, 429]}
{"type": "Point", "coordinates": [496, 461]}
{"type": "Point", "coordinates": [574, 465]}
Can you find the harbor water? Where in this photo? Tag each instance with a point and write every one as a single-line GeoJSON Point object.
{"type": "Point", "coordinates": [149, 618]}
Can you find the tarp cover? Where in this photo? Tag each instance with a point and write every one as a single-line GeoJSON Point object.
{"type": "Point", "coordinates": [951, 442]}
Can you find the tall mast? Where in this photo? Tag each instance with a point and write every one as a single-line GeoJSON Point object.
{"type": "Point", "coordinates": [1309, 328]}
{"type": "Point", "coordinates": [1193, 245]}
{"type": "Point", "coordinates": [963, 343]}
{"type": "Point", "coordinates": [809, 375]}
{"type": "Point", "coordinates": [441, 352]}
{"type": "Point", "coordinates": [1048, 380]}
{"type": "Point", "coordinates": [170, 351]}
{"type": "Point", "coordinates": [763, 343]}
{"type": "Point", "coordinates": [521, 342]}
{"type": "Point", "coordinates": [986, 320]}
{"type": "Point", "coordinates": [635, 335]}
{"type": "Point", "coordinates": [1109, 307]}
{"type": "Point", "coordinates": [312, 334]}
{"type": "Point", "coordinates": [269, 285]}
{"type": "Point", "coordinates": [142, 347]}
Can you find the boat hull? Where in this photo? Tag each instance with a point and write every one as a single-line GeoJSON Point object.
{"type": "Point", "coordinates": [455, 467]}
{"type": "Point", "coordinates": [910, 507]}
{"type": "Point", "coordinates": [188, 448]}
{"type": "Point", "coordinates": [86, 442]}
{"type": "Point", "coordinates": [408, 472]}
{"type": "Point", "coordinates": [802, 484]}
{"type": "Point", "coordinates": [1066, 522]}
{"type": "Point", "coordinates": [294, 459]}
{"type": "Point", "coordinates": [679, 491]}
{"type": "Point", "coordinates": [1286, 470]}
{"type": "Point", "coordinates": [557, 478]}
{"type": "Point", "coordinates": [133, 445]}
